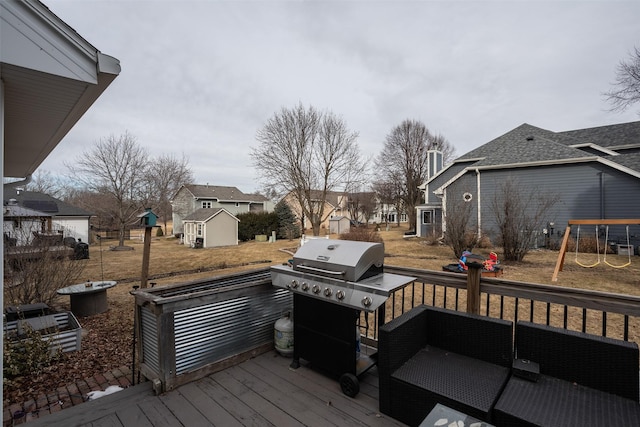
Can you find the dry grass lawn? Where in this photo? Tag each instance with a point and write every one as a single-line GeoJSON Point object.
{"type": "Point", "coordinates": [107, 340]}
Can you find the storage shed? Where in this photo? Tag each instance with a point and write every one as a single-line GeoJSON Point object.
{"type": "Point", "coordinates": [208, 228]}
{"type": "Point", "coordinates": [339, 225]}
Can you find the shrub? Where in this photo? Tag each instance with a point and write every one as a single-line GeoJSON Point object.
{"type": "Point", "coordinates": [362, 234]}
{"type": "Point", "coordinates": [252, 223]}
{"type": "Point", "coordinates": [28, 353]}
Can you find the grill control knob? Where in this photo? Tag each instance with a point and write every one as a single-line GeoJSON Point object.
{"type": "Point", "coordinates": [340, 294]}
{"type": "Point", "coordinates": [366, 301]}
{"type": "Point", "coordinates": [327, 292]}
{"type": "Point", "coordinates": [294, 284]}
{"type": "Point", "coordinates": [305, 286]}
{"type": "Point", "coordinates": [315, 289]}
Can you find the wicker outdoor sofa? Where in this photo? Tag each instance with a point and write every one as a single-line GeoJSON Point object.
{"type": "Point", "coordinates": [584, 380]}
{"type": "Point", "coordinates": [431, 355]}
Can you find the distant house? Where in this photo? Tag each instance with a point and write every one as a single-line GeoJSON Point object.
{"type": "Point", "coordinates": [20, 224]}
{"type": "Point", "coordinates": [189, 198]}
{"type": "Point", "coordinates": [335, 205]}
{"type": "Point", "coordinates": [595, 172]}
{"type": "Point", "coordinates": [65, 219]}
{"type": "Point", "coordinates": [209, 228]}
{"type": "Point", "coordinates": [338, 203]}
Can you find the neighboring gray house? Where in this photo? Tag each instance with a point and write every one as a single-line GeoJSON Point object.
{"type": "Point", "coordinates": [209, 228]}
{"type": "Point", "coordinates": [66, 219]}
{"type": "Point", "coordinates": [192, 197]}
{"type": "Point", "coordinates": [595, 172]}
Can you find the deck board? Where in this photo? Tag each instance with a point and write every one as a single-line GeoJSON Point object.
{"type": "Point", "coordinates": [215, 414]}
{"type": "Point", "coordinates": [300, 404]}
{"type": "Point", "coordinates": [133, 416]}
{"type": "Point", "coordinates": [262, 391]}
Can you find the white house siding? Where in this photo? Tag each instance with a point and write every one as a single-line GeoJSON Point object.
{"type": "Point", "coordinates": [72, 227]}
{"type": "Point", "coordinates": [23, 233]}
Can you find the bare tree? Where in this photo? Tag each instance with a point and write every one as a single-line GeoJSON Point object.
{"type": "Point", "coordinates": [520, 212]}
{"type": "Point", "coordinates": [626, 88]}
{"type": "Point", "coordinates": [44, 182]}
{"type": "Point", "coordinates": [115, 166]}
{"type": "Point", "coordinates": [307, 153]}
{"type": "Point", "coordinates": [162, 180]}
{"type": "Point", "coordinates": [404, 160]}
{"type": "Point", "coordinates": [461, 233]}
{"type": "Point", "coordinates": [387, 193]}
{"type": "Point", "coordinates": [34, 271]}
{"type": "Point", "coordinates": [361, 205]}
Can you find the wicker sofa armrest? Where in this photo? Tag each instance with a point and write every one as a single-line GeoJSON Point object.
{"type": "Point", "coordinates": [401, 338]}
{"type": "Point", "coordinates": [398, 341]}
{"type": "Point", "coordinates": [593, 361]}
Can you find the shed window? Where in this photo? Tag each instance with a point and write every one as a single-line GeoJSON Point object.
{"type": "Point", "coordinates": [206, 205]}
{"type": "Point", "coordinates": [427, 217]}
{"type": "Point", "coordinates": [199, 233]}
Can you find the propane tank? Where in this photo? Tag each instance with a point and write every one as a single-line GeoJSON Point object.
{"type": "Point", "coordinates": [283, 335]}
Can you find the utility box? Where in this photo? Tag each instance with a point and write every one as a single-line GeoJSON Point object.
{"type": "Point", "coordinates": [625, 250]}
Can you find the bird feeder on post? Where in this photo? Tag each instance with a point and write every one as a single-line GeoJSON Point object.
{"type": "Point", "coordinates": [148, 220]}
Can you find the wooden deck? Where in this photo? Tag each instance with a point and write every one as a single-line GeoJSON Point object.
{"type": "Point", "coordinates": [260, 392]}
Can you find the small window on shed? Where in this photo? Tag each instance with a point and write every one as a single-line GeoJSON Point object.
{"type": "Point", "coordinates": [206, 205]}
{"type": "Point", "coordinates": [199, 230]}
{"type": "Point", "coordinates": [427, 217]}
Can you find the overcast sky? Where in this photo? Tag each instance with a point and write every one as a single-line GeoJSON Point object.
{"type": "Point", "coordinates": [200, 78]}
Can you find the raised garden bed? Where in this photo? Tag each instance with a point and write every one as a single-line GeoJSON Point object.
{"type": "Point", "coordinates": [62, 330]}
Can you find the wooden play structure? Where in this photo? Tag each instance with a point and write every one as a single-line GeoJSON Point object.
{"type": "Point", "coordinates": [596, 223]}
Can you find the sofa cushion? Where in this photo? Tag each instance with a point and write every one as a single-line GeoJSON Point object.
{"type": "Point", "coordinates": [555, 402]}
{"type": "Point", "coordinates": [470, 385]}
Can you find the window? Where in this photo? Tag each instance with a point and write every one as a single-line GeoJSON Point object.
{"type": "Point", "coordinates": [206, 205]}
{"type": "Point", "coordinates": [199, 230]}
{"type": "Point", "coordinates": [391, 217]}
{"type": "Point", "coordinates": [403, 217]}
{"type": "Point", "coordinates": [427, 217]}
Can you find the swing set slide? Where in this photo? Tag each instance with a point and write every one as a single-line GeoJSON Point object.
{"type": "Point", "coordinates": [596, 223]}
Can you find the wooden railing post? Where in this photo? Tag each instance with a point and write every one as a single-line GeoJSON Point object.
{"type": "Point", "coordinates": [473, 286]}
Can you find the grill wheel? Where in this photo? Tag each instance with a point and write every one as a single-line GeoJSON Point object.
{"type": "Point", "coordinates": [349, 385]}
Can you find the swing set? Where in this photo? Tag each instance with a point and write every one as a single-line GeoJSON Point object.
{"type": "Point", "coordinates": [596, 223]}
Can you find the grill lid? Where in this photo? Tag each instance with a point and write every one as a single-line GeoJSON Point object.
{"type": "Point", "coordinates": [340, 259]}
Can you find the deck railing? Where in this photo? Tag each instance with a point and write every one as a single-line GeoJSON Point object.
{"type": "Point", "coordinates": [598, 313]}
{"type": "Point", "coordinates": [190, 330]}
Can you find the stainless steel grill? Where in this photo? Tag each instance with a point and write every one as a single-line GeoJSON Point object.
{"type": "Point", "coordinates": [332, 282]}
{"type": "Point", "coordinates": [343, 272]}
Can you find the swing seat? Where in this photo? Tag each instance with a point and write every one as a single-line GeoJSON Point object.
{"type": "Point", "coordinates": [597, 250]}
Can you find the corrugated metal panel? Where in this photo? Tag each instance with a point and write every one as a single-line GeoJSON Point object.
{"type": "Point", "coordinates": [149, 336]}
{"type": "Point", "coordinates": [69, 339]}
{"type": "Point", "coordinates": [212, 332]}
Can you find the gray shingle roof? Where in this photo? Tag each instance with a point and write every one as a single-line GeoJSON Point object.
{"type": "Point", "coordinates": [610, 136]}
{"type": "Point", "coordinates": [204, 214]}
{"type": "Point", "coordinates": [223, 193]}
{"type": "Point", "coordinates": [631, 161]}
{"type": "Point", "coordinates": [43, 203]}
{"type": "Point", "coordinates": [524, 144]}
